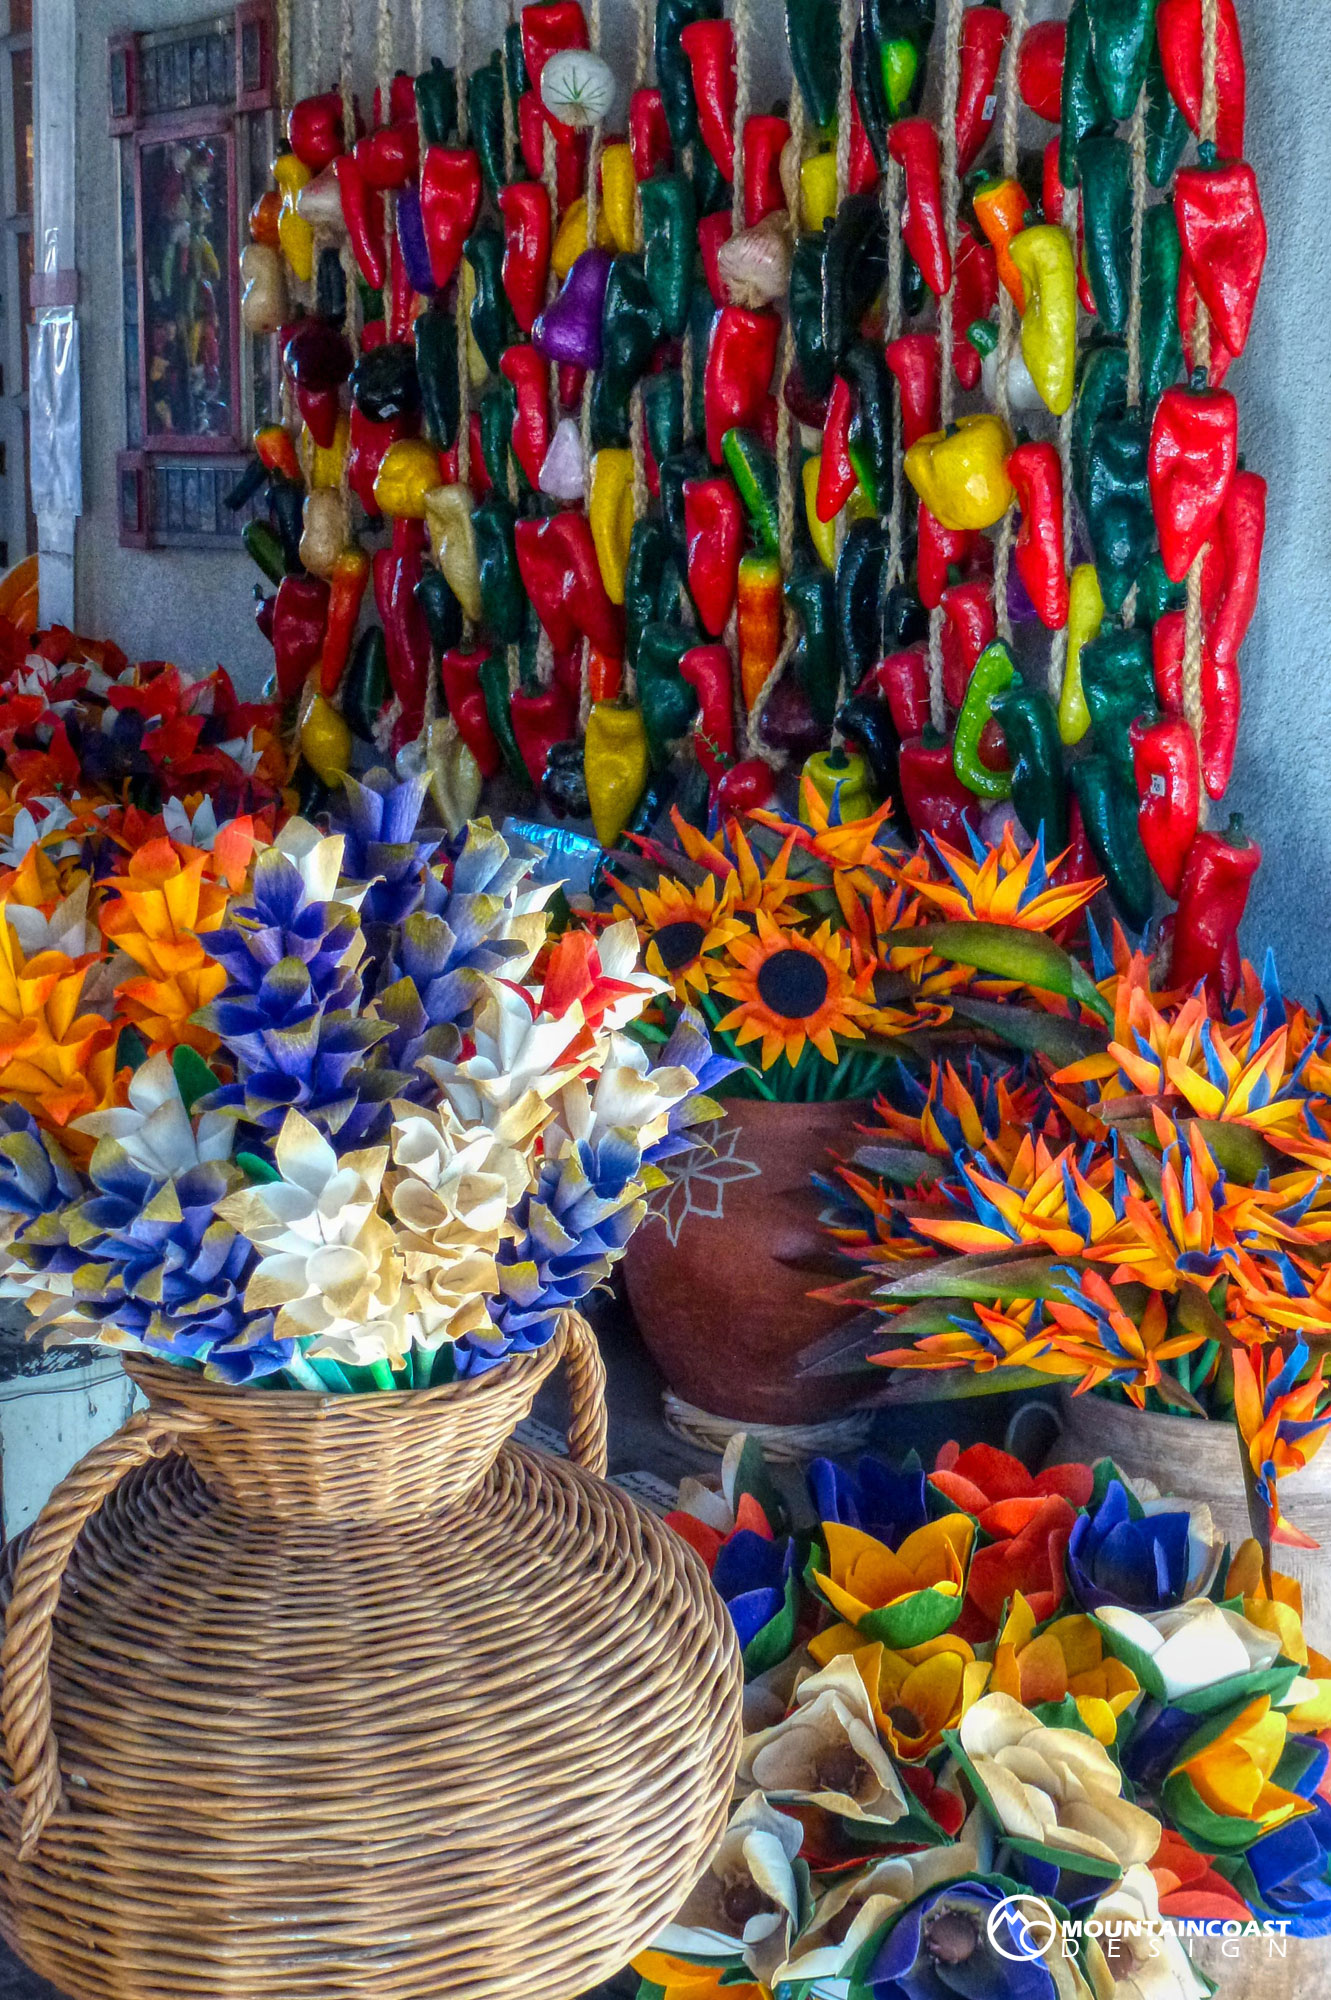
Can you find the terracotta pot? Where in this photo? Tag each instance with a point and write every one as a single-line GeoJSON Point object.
{"type": "Point", "coordinates": [719, 1275]}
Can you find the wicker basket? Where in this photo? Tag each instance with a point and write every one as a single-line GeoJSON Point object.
{"type": "Point", "coordinates": [339, 1697]}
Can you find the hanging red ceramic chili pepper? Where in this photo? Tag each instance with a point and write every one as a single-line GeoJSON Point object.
{"type": "Point", "coordinates": [1220, 689]}
{"type": "Point", "coordinates": [714, 538]}
{"type": "Point", "coordinates": [390, 157]}
{"type": "Point", "coordinates": [649, 134]}
{"type": "Point", "coordinates": [709, 47]}
{"type": "Point", "coordinates": [765, 138]}
{"type": "Point", "coordinates": [913, 144]}
{"type": "Point", "coordinates": [1193, 456]}
{"type": "Point", "coordinates": [1234, 563]}
{"type": "Point", "coordinates": [562, 576]}
{"type": "Point", "coordinates": [1213, 894]}
{"type": "Point", "coordinates": [367, 447]}
{"type": "Point", "coordinates": [450, 203]}
{"type": "Point", "coordinates": [1164, 768]}
{"type": "Point", "coordinates": [1037, 474]}
{"type": "Point", "coordinates": [314, 130]}
{"type": "Point", "coordinates": [570, 148]}
{"type": "Point", "coordinates": [363, 214]}
{"type": "Point", "coordinates": [862, 173]}
{"type": "Point", "coordinates": [904, 679]}
{"type": "Point", "coordinates": [525, 207]}
{"type": "Point", "coordinates": [1223, 232]}
{"type": "Point", "coordinates": [714, 231]}
{"type": "Point", "coordinates": [934, 797]}
{"type": "Point", "coordinates": [1040, 69]}
{"type": "Point", "coordinates": [1053, 194]}
{"type": "Point", "coordinates": [968, 627]}
{"type": "Point", "coordinates": [1189, 305]}
{"type": "Point", "coordinates": [464, 697]}
{"type": "Point", "coordinates": [347, 586]}
{"type": "Point", "coordinates": [708, 671]}
{"type": "Point", "coordinates": [741, 355]}
{"type": "Point", "coordinates": [542, 717]}
{"type": "Point", "coordinates": [746, 787]}
{"type": "Point", "coordinates": [836, 474]}
{"type": "Point", "coordinates": [401, 299]}
{"type": "Point", "coordinates": [974, 296]}
{"type": "Point", "coordinates": [547, 27]}
{"type": "Point", "coordinates": [937, 550]}
{"type": "Point", "coordinates": [397, 571]}
{"type": "Point", "coordinates": [913, 360]}
{"type": "Point", "coordinates": [1178, 28]}
{"type": "Point", "coordinates": [984, 33]}
{"type": "Point", "coordinates": [523, 367]}
{"type": "Point", "coordinates": [299, 623]}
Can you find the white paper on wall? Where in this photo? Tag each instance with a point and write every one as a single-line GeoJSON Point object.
{"type": "Point", "coordinates": [54, 416]}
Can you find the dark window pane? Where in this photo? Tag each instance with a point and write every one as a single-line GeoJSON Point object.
{"type": "Point", "coordinates": [21, 65]}
{"type": "Point", "coordinates": [187, 277]}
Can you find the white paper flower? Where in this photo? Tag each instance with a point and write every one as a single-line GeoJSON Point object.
{"type": "Point", "coordinates": [626, 1097]}
{"type": "Point", "coordinates": [520, 1061]}
{"type": "Point", "coordinates": [619, 949]}
{"type": "Point", "coordinates": [748, 1900]}
{"type": "Point", "coordinates": [451, 1192]}
{"type": "Point", "coordinates": [1195, 1644]}
{"type": "Point", "coordinates": [1139, 1957]}
{"type": "Point", "coordinates": [155, 1131]}
{"type": "Point", "coordinates": [39, 819]}
{"type": "Point", "coordinates": [68, 928]}
{"type": "Point", "coordinates": [827, 1751]}
{"type": "Point", "coordinates": [851, 1912]}
{"type": "Point", "coordinates": [1056, 1786]}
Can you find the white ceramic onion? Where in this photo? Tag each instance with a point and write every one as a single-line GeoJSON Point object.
{"type": "Point", "coordinates": [577, 87]}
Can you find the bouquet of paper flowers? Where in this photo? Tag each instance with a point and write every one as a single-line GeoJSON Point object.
{"type": "Point", "coordinates": [982, 1707]}
{"type": "Point", "coordinates": [410, 1131]}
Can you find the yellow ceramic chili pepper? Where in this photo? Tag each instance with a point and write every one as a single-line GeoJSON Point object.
{"type": "Point", "coordinates": [410, 471]}
{"type": "Point", "coordinates": [844, 776]}
{"type": "Point", "coordinates": [324, 463]}
{"type": "Point", "coordinates": [448, 518]}
{"type": "Point", "coordinates": [294, 233]}
{"type": "Point", "coordinates": [1043, 257]}
{"type": "Point", "coordinates": [478, 368]}
{"type": "Point", "coordinates": [759, 599]}
{"type": "Point", "coordinates": [818, 202]}
{"type": "Point", "coordinates": [455, 776]}
{"type": "Point", "coordinates": [571, 236]}
{"type": "Point", "coordinates": [1086, 608]}
{"type": "Point", "coordinates": [619, 189]}
{"type": "Point", "coordinates": [616, 764]}
{"type": "Point", "coordinates": [821, 533]}
{"type": "Point", "coordinates": [961, 473]}
{"type": "Point", "coordinates": [610, 511]}
{"type": "Point", "coordinates": [325, 741]}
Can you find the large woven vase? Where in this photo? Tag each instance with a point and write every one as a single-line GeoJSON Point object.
{"type": "Point", "coordinates": [720, 1284]}
{"type": "Point", "coordinates": [344, 1697]}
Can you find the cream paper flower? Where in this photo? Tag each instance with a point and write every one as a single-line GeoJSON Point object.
{"type": "Point", "coordinates": [854, 1910]}
{"type": "Point", "coordinates": [827, 1751]}
{"type": "Point", "coordinates": [748, 1900]}
{"type": "Point", "coordinates": [155, 1131]}
{"type": "Point", "coordinates": [1139, 1957]}
{"type": "Point", "coordinates": [451, 1191]}
{"type": "Point", "coordinates": [520, 1061]}
{"type": "Point", "coordinates": [1056, 1786]}
{"type": "Point", "coordinates": [1194, 1645]}
{"type": "Point", "coordinates": [330, 1266]}
{"type": "Point", "coordinates": [627, 1097]}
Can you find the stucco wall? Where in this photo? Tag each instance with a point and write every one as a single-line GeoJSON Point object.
{"type": "Point", "coordinates": [196, 608]}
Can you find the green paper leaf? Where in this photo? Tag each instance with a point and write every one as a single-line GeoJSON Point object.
{"type": "Point", "coordinates": [257, 1169]}
{"type": "Point", "coordinates": [1027, 1028]}
{"type": "Point", "coordinates": [194, 1079]}
{"type": "Point", "coordinates": [1007, 1279]}
{"type": "Point", "coordinates": [1007, 952]}
{"type": "Point", "coordinates": [1200, 1824]}
{"type": "Point", "coordinates": [903, 1165]}
{"type": "Point", "coordinates": [131, 1049]}
{"type": "Point", "coordinates": [768, 1647]}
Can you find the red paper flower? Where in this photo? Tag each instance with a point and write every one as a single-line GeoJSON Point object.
{"type": "Point", "coordinates": [1027, 1519]}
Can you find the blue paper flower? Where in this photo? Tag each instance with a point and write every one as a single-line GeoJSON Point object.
{"type": "Point", "coordinates": [1147, 1563]}
{"type": "Point", "coordinates": [881, 1500]}
{"type": "Point", "coordinates": [752, 1575]}
{"type": "Point", "coordinates": [967, 1938]}
{"type": "Point", "coordinates": [1291, 1868]}
{"type": "Point", "coordinates": [377, 817]}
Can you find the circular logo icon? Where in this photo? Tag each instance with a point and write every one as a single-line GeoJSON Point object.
{"type": "Point", "coordinates": [1022, 1928]}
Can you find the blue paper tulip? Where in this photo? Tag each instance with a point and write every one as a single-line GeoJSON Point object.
{"type": "Point", "coordinates": [1143, 1564]}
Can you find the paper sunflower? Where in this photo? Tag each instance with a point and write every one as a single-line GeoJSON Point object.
{"type": "Point", "coordinates": [790, 989]}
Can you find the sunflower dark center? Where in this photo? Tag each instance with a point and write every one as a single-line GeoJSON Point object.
{"type": "Point", "coordinates": [679, 943]}
{"type": "Point", "coordinates": [792, 983]}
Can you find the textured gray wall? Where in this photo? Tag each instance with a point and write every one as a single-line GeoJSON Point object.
{"type": "Point", "coordinates": [196, 608]}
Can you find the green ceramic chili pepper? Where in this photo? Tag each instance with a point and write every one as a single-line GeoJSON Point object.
{"type": "Point", "coordinates": [503, 599]}
{"type": "Point", "coordinates": [673, 75]}
{"type": "Point", "coordinates": [865, 720]}
{"type": "Point", "coordinates": [811, 592]}
{"type": "Point", "coordinates": [651, 582]}
{"type": "Point", "coordinates": [691, 462]}
{"type": "Point", "coordinates": [1119, 685]}
{"type": "Point", "coordinates": [711, 189]}
{"type": "Point", "coordinates": [440, 608]}
{"type": "Point", "coordinates": [437, 103]}
{"type": "Point", "coordinates": [888, 64]}
{"type": "Point", "coordinates": [854, 269]}
{"type": "Point", "coordinates": [263, 544]}
{"type": "Point", "coordinates": [437, 372]}
{"type": "Point", "coordinates": [499, 407]}
{"type": "Point", "coordinates": [870, 440]}
{"type": "Point", "coordinates": [753, 469]}
{"type": "Point", "coordinates": [669, 227]}
{"type": "Point", "coordinates": [1118, 510]}
{"type": "Point", "coordinates": [806, 314]}
{"type": "Point", "coordinates": [1122, 37]}
{"type": "Point", "coordinates": [1161, 344]}
{"type": "Point", "coordinates": [330, 287]}
{"type": "Point", "coordinates": [1106, 205]}
{"type": "Point", "coordinates": [630, 332]}
{"type": "Point", "coordinates": [992, 674]}
{"type": "Point", "coordinates": [667, 701]}
{"type": "Point", "coordinates": [1167, 131]}
{"type": "Point", "coordinates": [701, 314]}
{"type": "Point", "coordinates": [492, 324]}
{"type": "Point", "coordinates": [1084, 108]}
{"type": "Point", "coordinates": [904, 620]}
{"type": "Point", "coordinates": [663, 414]}
{"type": "Point", "coordinates": [493, 680]}
{"type": "Point", "coordinates": [858, 588]}
{"type": "Point", "coordinates": [914, 292]}
{"type": "Point", "coordinates": [1029, 722]}
{"type": "Point", "coordinates": [286, 504]}
{"type": "Point", "coordinates": [514, 61]}
{"type": "Point", "coordinates": [1102, 392]}
{"type": "Point", "coordinates": [485, 120]}
{"type": "Point", "coordinates": [365, 687]}
{"type": "Point", "coordinates": [1109, 815]}
{"type": "Point", "coordinates": [813, 30]}
{"type": "Point", "coordinates": [1155, 593]}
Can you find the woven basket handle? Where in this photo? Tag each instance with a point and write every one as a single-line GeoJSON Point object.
{"type": "Point", "coordinates": [588, 1425]}
{"type": "Point", "coordinates": [25, 1702]}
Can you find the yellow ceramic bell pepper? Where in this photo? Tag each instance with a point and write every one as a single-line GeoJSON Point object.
{"type": "Point", "coordinates": [610, 511]}
{"type": "Point", "coordinates": [294, 233]}
{"type": "Point", "coordinates": [818, 202]}
{"type": "Point", "coordinates": [1043, 257]}
{"type": "Point", "coordinates": [410, 471]}
{"type": "Point", "coordinates": [325, 462]}
{"type": "Point", "coordinates": [448, 518]}
{"type": "Point", "coordinates": [1086, 608]}
{"type": "Point", "coordinates": [844, 776]}
{"type": "Point", "coordinates": [619, 189]}
{"type": "Point", "coordinates": [478, 368]}
{"type": "Point", "coordinates": [821, 533]}
{"type": "Point", "coordinates": [961, 473]}
{"type": "Point", "coordinates": [571, 236]}
{"type": "Point", "coordinates": [325, 741]}
{"type": "Point", "coordinates": [617, 764]}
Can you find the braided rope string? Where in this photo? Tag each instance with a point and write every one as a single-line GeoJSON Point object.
{"type": "Point", "coordinates": [947, 379]}
{"type": "Point", "coordinates": [418, 34]}
{"type": "Point", "coordinates": [890, 197]}
{"type": "Point", "coordinates": [1007, 310]}
{"type": "Point", "coordinates": [350, 283]}
{"type": "Point", "coordinates": [316, 42]}
{"type": "Point", "coordinates": [741, 27]}
{"type": "Point", "coordinates": [284, 73]}
{"type": "Point", "coordinates": [1201, 350]}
